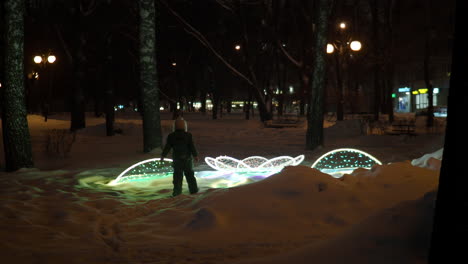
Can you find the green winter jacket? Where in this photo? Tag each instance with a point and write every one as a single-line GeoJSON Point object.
{"type": "Point", "coordinates": [182, 146]}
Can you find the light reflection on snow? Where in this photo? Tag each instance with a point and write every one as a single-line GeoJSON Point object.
{"type": "Point", "coordinates": [210, 179]}
{"type": "Point", "coordinates": [220, 179]}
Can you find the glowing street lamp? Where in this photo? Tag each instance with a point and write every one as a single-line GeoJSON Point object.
{"type": "Point", "coordinates": [42, 61]}
{"type": "Point", "coordinates": [342, 46]}
{"type": "Point", "coordinates": [51, 59]}
{"type": "Point", "coordinates": [237, 47]}
{"type": "Point", "coordinates": [355, 45]}
{"type": "Point", "coordinates": [38, 59]}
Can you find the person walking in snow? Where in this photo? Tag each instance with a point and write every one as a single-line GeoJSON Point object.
{"type": "Point", "coordinates": [183, 149]}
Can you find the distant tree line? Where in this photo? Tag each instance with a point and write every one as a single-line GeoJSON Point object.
{"type": "Point", "coordinates": [178, 56]}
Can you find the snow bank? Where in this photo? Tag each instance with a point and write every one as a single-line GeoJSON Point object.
{"type": "Point", "coordinates": [430, 160]}
{"type": "Point", "coordinates": [70, 215]}
{"type": "Point", "coordinates": [400, 234]}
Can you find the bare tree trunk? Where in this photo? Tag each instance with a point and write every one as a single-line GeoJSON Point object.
{"type": "Point", "coordinates": [78, 120]}
{"type": "Point", "coordinates": [16, 137]}
{"type": "Point", "coordinates": [216, 105]}
{"type": "Point", "coordinates": [247, 105]}
{"type": "Point", "coordinates": [303, 92]}
{"type": "Point", "coordinates": [109, 89]}
{"type": "Point", "coordinates": [339, 87]}
{"type": "Point", "coordinates": [427, 62]}
{"type": "Point", "coordinates": [314, 135]}
{"type": "Point", "coordinates": [390, 65]}
{"type": "Point", "coordinates": [376, 57]}
{"type": "Point", "coordinates": [203, 102]}
{"type": "Point", "coordinates": [152, 134]}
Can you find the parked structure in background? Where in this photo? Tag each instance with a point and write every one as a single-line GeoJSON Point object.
{"type": "Point", "coordinates": [411, 93]}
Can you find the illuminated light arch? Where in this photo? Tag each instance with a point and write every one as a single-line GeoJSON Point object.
{"type": "Point", "coordinates": [252, 164]}
{"type": "Point", "coordinates": [344, 160]}
{"type": "Point", "coordinates": [143, 170]}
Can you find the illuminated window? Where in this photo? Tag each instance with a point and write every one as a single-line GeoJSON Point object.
{"type": "Point", "coordinates": [422, 100]}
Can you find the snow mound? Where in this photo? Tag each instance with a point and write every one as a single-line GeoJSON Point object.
{"type": "Point", "coordinates": [400, 234]}
{"type": "Point", "coordinates": [431, 160]}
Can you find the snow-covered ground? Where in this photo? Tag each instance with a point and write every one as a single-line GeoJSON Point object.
{"type": "Point", "coordinates": [63, 211]}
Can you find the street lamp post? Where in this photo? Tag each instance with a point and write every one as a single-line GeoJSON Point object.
{"type": "Point", "coordinates": [341, 49]}
{"type": "Point", "coordinates": [43, 61]}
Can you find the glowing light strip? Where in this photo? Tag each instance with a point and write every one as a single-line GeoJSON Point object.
{"type": "Point", "coordinates": [121, 177]}
{"type": "Point", "coordinates": [345, 150]}
{"type": "Point", "coordinates": [228, 183]}
{"type": "Point", "coordinates": [229, 164]}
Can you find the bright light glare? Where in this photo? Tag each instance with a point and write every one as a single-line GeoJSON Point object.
{"type": "Point", "coordinates": [342, 25]}
{"type": "Point", "coordinates": [330, 48]}
{"type": "Point", "coordinates": [51, 59]}
{"type": "Point", "coordinates": [37, 59]}
{"type": "Point", "coordinates": [355, 45]}
{"type": "Point", "coordinates": [237, 47]}
{"type": "Point", "coordinates": [254, 163]}
{"type": "Point", "coordinates": [340, 161]}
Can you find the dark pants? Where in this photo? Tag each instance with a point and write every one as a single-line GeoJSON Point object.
{"type": "Point", "coordinates": [181, 168]}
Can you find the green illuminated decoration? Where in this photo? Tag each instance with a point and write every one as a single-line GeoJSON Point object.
{"type": "Point", "coordinates": [145, 170]}
{"type": "Point", "coordinates": [344, 160]}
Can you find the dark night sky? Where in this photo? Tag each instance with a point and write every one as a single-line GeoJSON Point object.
{"type": "Point", "coordinates": [43, 23]}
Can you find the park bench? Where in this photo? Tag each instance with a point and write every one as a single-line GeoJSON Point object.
{"type": "Point", "coordinates": [284, 121]}
{"type": "Point", "coordinates": [402, 127]}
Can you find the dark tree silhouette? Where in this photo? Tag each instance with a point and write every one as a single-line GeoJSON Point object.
{"type": "Point", "coordinates": [374, 6]}
{"type": "Point", "coordinates": [427, 62]}
{"type": "Point", "coordinates": [314, 135]}
{"type": "Point", "coordinates": [16, 138]}
{"type": "Point", "coordinates": [451, 217]}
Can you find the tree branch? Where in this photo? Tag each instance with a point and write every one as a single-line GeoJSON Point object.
{"type": "Point", "coordinates": [65, 46]}
{"type": "Point", "coordinates": [89, 8]}
{"type": "Point", "coordinates": [289, 56]}
{"type": "Point", "coordinates": [199, 36]}
{"type": "Point", "coordinates": [224, 5]}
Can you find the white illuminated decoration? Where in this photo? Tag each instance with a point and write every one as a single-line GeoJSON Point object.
{"type": "Point", "coordinates": [252, 164]}
{"type": "Point", "coordinates": [344, 160]}
{"type": "Point", "coordinates": [230, 172]}
{"type": "Point", "coordinates": [144, 170]}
